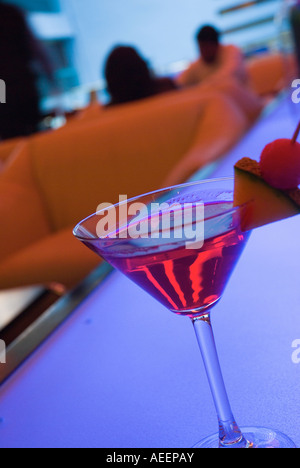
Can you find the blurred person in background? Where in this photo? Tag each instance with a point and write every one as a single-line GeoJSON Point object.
{"type": "Point", "coordinates": [20, 54]}
{"type": "Point", "coordinates": [128, 77]}
{"type": "Point", "coordinates": [216, 61]}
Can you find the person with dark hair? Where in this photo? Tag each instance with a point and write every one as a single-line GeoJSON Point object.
{"type": "Point", "coordinates": [216, 60]}
{"type": "Point", "coordinates": [20, 51]}
{"type": "Point", "coordinates": [128, 77]}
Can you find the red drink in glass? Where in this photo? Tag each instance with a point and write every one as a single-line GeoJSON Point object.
{"type": "Point", "coordinates": [186, 280]}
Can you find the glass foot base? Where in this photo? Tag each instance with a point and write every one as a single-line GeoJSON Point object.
{"type": "Point", "coordinates": [257, 437]}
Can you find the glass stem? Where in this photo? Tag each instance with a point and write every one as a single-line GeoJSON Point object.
{"type": "Point", "coordinates": [229, 432]}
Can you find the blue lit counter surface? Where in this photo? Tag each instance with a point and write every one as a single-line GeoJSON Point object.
{"type": "Point", "coordinates": [123, 372]}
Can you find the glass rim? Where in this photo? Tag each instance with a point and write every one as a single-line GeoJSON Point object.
{"type": "Point", "coordinates": [166, 189]}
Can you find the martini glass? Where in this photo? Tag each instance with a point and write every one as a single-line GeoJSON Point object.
{"type": "Point", "coordinates": [181, 245]}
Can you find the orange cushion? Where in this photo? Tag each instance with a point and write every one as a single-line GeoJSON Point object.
{"type": "Point", "coordinates": [59, 258]}
{"type": "Point", "coordinates": [79, 168]}
{"type": "Point", "coordinates": [23, 218]}
{"type": "Point", "coordinates": [93, 111]}
{"type": "Point", "coordinates": [221, 126]}
{"type": "Point", "coordinates": [269, 73]}
{"type": "Point", "coordinates": [7, 147]}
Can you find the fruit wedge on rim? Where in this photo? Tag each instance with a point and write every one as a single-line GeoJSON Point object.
{"type": "Point", "coordinates": [266, 203]}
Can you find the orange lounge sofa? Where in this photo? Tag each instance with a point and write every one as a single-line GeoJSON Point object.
{"type": "Point", "coordinates": [55, 179]}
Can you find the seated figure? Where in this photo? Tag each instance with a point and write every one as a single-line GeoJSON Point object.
{"type": "Point", "coordinates": [129, 78]}
{"type": "Point", "coordinates": [216, 61]}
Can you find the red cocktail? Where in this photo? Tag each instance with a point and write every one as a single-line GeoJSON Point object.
{"type": "Point", "coordinates": [186, 281]}
{"type": "Point", "coordinates": [183, 252]}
